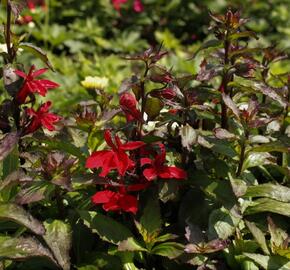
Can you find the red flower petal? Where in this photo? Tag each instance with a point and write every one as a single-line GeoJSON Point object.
{"type": "Point", "coordinates": [20, 73]}
{"type": "Point", "coordinates": [95, 160]}
{"type": "Point", "coordinates": [137, 187]}
{"type": "Point", "coordinates": [132, 145]}
{"type": "Point", "coordinates": [150, 174]}
{"type": "Point", "coordinates": [108, 138]}
{"type": "Point", "coordinates": [103, 196]}
{"type": "Point", "coordinates": [129, 203]}
{"type": "Point", "coordinates": [172, 172]}
{"type": "Point", "coordinates": [145, 161]}
{"type": "Point", "coordinates": [122, 161]}
{"type": "Point", "coordinates": [48, 84]}
{"type": "Point", "coordinates": [38, 72]}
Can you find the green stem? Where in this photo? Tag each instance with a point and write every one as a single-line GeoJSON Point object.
{"type": "Point", "coordinates": [242, 154]}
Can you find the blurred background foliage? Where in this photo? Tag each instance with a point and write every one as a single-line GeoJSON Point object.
{"type": "Point", "coordinates": [89, 38]}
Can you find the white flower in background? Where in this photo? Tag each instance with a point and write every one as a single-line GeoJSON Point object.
{"type": "Point", "coordinates": [188, 136]}
{"type": "Point", "coordinates": [3, 48]}
{"type": "Point", "coordinates": [95, 82]}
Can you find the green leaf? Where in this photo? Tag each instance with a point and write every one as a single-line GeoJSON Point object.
{"type": "Point", "coordinates": [256, 159]}
{"type": "Point", "coordinates": [239, 186]}
{"type": "Point", "coordinates": [170, 250]}
{"type": "Point", "coordinates": [100, 260]}
{"type": "Point", "coordinates": [273, 191]}
{"type": "Point", "coordinates": [243, 51]}
{"type": "Point", "coordinates": [151, 218]}
{"type": "Point", "coordinates": [268, 205]}
{"type": "Point", "coordinates": [219, 146]}
{"type": "Point", "coordinates": [277, 146]}
{"type": "Point", "coordinates": [130, 244]}
{"type": "Point", "coordinates": [278, 236]}
{"type": "Point", "coordinates": [212, 43]}
{"type": "Point", "coordinates": [11, 162]}
{"type": "Point", "coordinates": [166, 237]}
{"type": "Point", "coordinates": [269, 262]}
{"type": "Point", "coordinates": [23, 248]}
{"type": "Point", "coordinates": [38, 52]}
{"type": "Point", "coordinates": [222, 223]}
{"type": "Point", "coordinates": [258, 235]}
{"type": "Point", "coordinates": [107, 228]}
{"type": "Point", "coordinates": [59, 239]}
{"type": "Point", "coordinates": [283, 252]}
{"type": "Point", "coordinates": [243, 34]}
{"type": "Point", "coordinates": [17, 214]}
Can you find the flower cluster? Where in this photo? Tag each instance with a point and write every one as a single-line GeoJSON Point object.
{"type": "Point", "coordinates": [41, 117]}
{"type": "Point", "coordinates": [31, 5]}
{"type": "Point", "coordinates": [117, 159]}
{"type": "Point", "coordinates": [137, 5]}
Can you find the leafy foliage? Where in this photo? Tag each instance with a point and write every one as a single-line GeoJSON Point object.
{"type": "Point", "coordinates": [175, 155]}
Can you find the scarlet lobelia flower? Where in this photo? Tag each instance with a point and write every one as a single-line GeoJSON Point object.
{"type": "Point", "coordinates": [128, 104]}
{"type": "Point", "coordinates": [41, 117]}
{"type": "Point", "coordinates": [31, 85]}
{"type": "Point", "coordinates": [118, 3]}
{"type": "Point", "coordinates": [157, 168]}
{"type": "Point", "coordinates": [116, 201]}
{"type": "Point", "coordinates": [116, 158]}
{"type": "Point", "coordinates": [138, 6]}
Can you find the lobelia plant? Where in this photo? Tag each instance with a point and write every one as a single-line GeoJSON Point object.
{"type": "Point", "coordinates": [172, 172]}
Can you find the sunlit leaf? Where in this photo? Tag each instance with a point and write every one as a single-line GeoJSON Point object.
{"type": "Point", "coordinates": [268, 205]}
{"type": "Point", "coordinates": [168, 249]}
{"type": "Point", "coordinates": [58, 238]}
{"type": "Point", "coordinates": [17, 214]}
{"type": "Point", "coordinates": [23, 248]}
{"type": "Point", "coordinates": [258, 235]}
{"type": "Point", "coordinates": [107, 228]}
{"type": "Point", "coordinates": [274, 191]}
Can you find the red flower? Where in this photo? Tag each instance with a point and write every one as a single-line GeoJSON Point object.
{"type": "Point", "coordinates": [25, 19]}
{"type": "Point", "coordinates": [116, 201]}
{"type": "Point", "coordinates": [118, 3]}
{"type": "Point", "coordinates": [138, 6]}
{"type": "Point", "coordinates": [116, 158]}
{"type": "Point", "coordinates": [31, 4]}
{"type": "Point", "coordinates": [158, 169]}
{"type": "Point", "coordinates": [31, 85]}
{"type": "Point", "coordinates": [41, 117]}
{"type": "Point", "coordinates": [128, 104]}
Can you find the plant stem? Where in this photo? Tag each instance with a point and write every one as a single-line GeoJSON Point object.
{"type": "Point", "coordinates": [8, 33]}
{"type": "Point", "coordinates": [224, 85]}
{"type": "Point", "coordinates": [59, 203]}
{"type": "Point", "coordinates": [243, 152]}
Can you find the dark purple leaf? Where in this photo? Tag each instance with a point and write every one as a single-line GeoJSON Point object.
{"type": "Point", "coordinates": [222, 134]}
{"type": "Point", "coordinates": [210, 247]}
{"type": "Point", "coordinates": [16, 213]}
{"type": "Point", "coordinates": [7, 144]}
{"type": "Point", "coordinates": [208, 71]}
{"type": "Point", "coordinates": [271, 93]}
{"type": "Point", "coordinates": [231, 105]}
